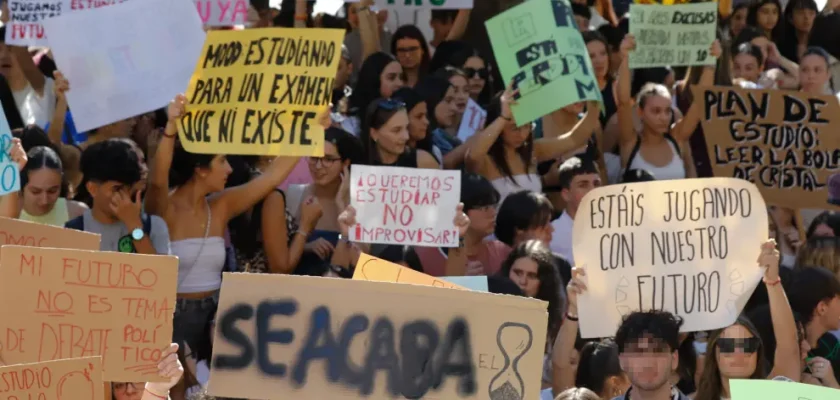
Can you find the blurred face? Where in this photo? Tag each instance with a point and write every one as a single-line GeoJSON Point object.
{"type": "Point", "coordinates": [648, 363]}
{"type": "Point", "coordinates": [515, 136]}
{"type": "Point", "coordinates": [409, 53]}
{"type": "Point", "coordinates": [446, 110]}
{"type": "Point", "coordinates": [128, 391]}
{"type": "Point", "coordinates": [326, 170]}
{"type": "Point", "coordinates": [524, 272]}
{"type": "Point", "coordinates": [822, 230]}
{"type": "Point", "coordinates": [418, 122]}
{"type": "Point", "coordinates": [41, 191]}
{"type": "Point", "coordinates": [392, 137]}
{"type": "Point", "coordinates": [767, 17]}
{"type": "Point", "coordinates": [737, 352]}
{"type": "Point", "coordinates": [738, 21]}
{"type": "Point", "coordinates": [483, 220]}
{"type": "Point", "coordinates": [216, 174]}
{"type": "Point", "coordinates": [746, 67]}
{"type": "Point", "coordinates": [813, 73]}
{"type": "Point", "coordinates": [579, 187]}
{"type": "Point", "coordinates": [391, 79]}
{"type": "Point", "coordinates": [803, 20]}
{"type": "Point", "coordinates": [5, 60]}
{"type": "Point", "coordinates": [656, 114]}
{"type": "Point", "coordinates": [461, 93]}
{"type": "Point", "coordinates": [600, 59]}
{"type": "Point", "coordinates": [477, 75]}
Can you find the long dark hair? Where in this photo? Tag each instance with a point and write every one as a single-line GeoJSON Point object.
{"type": "Point", "coordinates": [459, 59]}
{"type": "Point", "coordinates": [752, 18]}
{"type": "Point", "coordinates": [411, 97]}
{"type": "Point", "coordinates": [376, 116]}
{"type": "Point", "coordinates": [497, 150]}
{"type": "Point", "coordinates": [184, 164]}
{"type": "Point", "coordinates": [788, 42]}
{"type": "Point", "coordinates": [433, 90]}
{"type": "Point", "coordinates": [412, 32]}
{"type": "Point", "coordinates": [8, 100]}
{"type": "Point", "coordinates": [711, 386]}
{"type": "Point", "coordinates": [598, 362]}
{"type": "Point", "coordinates": [368, 84]}
{"type": "Point", "coordinates": [43, 157]}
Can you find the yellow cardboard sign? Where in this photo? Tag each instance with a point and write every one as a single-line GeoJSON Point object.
{"type": "Point", "coordinates": [370, 268]}
{"type": "Point", "coordinates": [74, 378]}
{"type": "Point", "coordinates": [261, 91]}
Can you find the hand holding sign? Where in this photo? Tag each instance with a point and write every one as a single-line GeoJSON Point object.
{"type": "Point", "coordinates": [61, 85]}
{"type": "Point", "coordinates": [575, 287]}
{"type": "Point", "coordinates": [628, 44]}
{"type": "Point", "coordinates": [177, 108]}
{"type": "Point", "coordinates": [821, 369]}
{"type": "Point", "coordinates": [769, 258]}
{"type": "Point", "coordinates": [715, 50]}
{"type": "Point", "coordinates": [168, 367]}
{"type": "Point", "coordinates": [17, 154]}
{"type": "Point", "coordinates": [509, 99]}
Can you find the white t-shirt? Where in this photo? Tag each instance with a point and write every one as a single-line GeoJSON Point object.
{"type": "Point", "coordinates": [35, 109]}
{"type": "Point", "coordinates": [561, 240]}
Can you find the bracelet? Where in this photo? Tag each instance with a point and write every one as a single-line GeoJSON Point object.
{"type": "Point", "coordinates": [774, 282]}
{"type": "Point", "coordinates": [571, 317]}
{"type": "Point", "coordinates": [168, 136]}
{"type": "Point", "coordinates": [304, 233]}
{"type": "Point", "coordinates": [301, 17]}
{"type": "Point", "coordinates": [153, 393]}
{"type": "Point", "coordinates": [505, 118]}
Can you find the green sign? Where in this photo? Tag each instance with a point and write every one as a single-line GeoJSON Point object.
{"type": "Point", "coordinates": [673, 35]}
{"type": "Point", "coordinates": [538, 47]}
{"type": "Point", "coordinates": [753, 389]}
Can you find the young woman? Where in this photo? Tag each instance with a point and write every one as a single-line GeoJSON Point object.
{"type": "Point", "coordinates": [197, 211]}
{"type": "Point", "coordinates": [777, 70]}
{"type": "Point", "coordinates": [469, 60]}
{"type": "Point", "coordinates": [598, 49]}
{"type": "Point", "coordinates": [820, 252]}
{"type": "Point", "coordinates": [409, 46]}
{"type": "Point", "coordinates": [736, 21]}
{"type": "Point", "coordinates": [814, 74]}
{"type": "Point", "coordinates": [798, 22]}
{"type": "Point", "coordinates": [506, 153]}
{"type": "Point", "coordinates": [44, 190]}
{"type": "Point", "coordinates": [448, 136]}
{"type": "Point", "coordinates": [748, 66]}
{"type": "Point", "coordinates": [442, 113]}
{"type": "Point", "coordinates": [380, 76]}
{"type": "Point", "coordinates": [385, 137]}
{"type": "Point", "coordinates": [599, 369]}
{"type": "Point", "coordinates": [660, 146]}
{"type": "Point", "coordinates": [419, 134]}
{"type": "Point", "coordinates": [765, 15]}
{"type": "Point", "coordinates": [826, 224]}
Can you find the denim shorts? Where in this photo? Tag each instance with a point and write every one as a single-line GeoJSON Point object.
{"type": "Point", "coordinates": [193, 323]}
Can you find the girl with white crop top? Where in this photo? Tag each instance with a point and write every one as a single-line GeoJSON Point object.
{"type": "Point", "coordinates": [197, 212]}
{"type": "Point", "coordinates": [659, 147]}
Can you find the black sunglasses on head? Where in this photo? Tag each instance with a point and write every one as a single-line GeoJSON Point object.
{"type": "Point", "coordinates": [482, 73]}
{"type": "Point", "coordinates": [729, 345]}
{"type": "Point", "coordinates": [390, 104]}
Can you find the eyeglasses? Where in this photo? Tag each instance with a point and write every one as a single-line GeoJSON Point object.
{"type": "Point", "coordinates": [123, 386]}
{"type": "Point", "coordinates": [325, 162]}
{"type": "Point", "coordinates": [747, 345]}
{"type": "Point", "coordinates": [482, 73]}
{"type": "Point", "coordinates": [407, 49]}
{"type": "Point", "coordinates": [390, 104]}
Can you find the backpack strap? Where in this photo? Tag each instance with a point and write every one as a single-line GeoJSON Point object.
{"type": "Point", "coordinates": [633, 153]}
{"type": "Point", "coordinates": [77, 223]}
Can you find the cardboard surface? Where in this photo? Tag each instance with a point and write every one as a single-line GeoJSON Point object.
{"type": "Point", "coordinates": [23, 233]}
{"type": "Point", "coordinates": [370, 268]}
{"type": "Point", "coordinates": [281, 337]}
{"type": "Point", "coordinates": [70, 379]}
{"type": "Point", "coordinates": [75, 303]}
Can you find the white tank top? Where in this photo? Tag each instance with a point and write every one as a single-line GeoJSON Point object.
{"type": "Point", "coordinates": [200, 264]}
{"type": "Point", "coordinates": [674, 170]}
{"type": "Point", "coordinates": [505, 186]}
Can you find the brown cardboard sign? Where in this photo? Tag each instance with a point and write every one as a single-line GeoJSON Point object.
{"type": "Point", "coordinates": [282, 337]}
{"type": "Point", "coordinates": [783, 141]}
{"type": "Point", "coordinates": [24, 233]}
{"type": "Point", "coordinates": [71, 379]}
{"type": "Point", "coordinates": [76, 303]}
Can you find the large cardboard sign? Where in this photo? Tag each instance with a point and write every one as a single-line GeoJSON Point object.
{"type": "Point", "coordinates": [74, 303]}
{"type": "Point", "coordinates": [70, 379]}
{"type": "Point", "coordinates": [785, 142]}
{"type": "Point", "coordinates": [23, 233]}
{"type": "Point", "coordinates": [9, 171]}
{"type": "Point", "coordinates": [260, 92]}
{"type": "Point", "coordinates": [685, 246]}
{"type": "Point", "coordinates": [673, 35]}
{"type": "Point", "coordinates": [281, 337]}
{"type": "Point", "coordinates": [370, 268]}
{"type": "Point", "coordinates": [538, 47]}
{"type": "Point", "coordinates": [748, 389]}
{"type": "Point", "coordinates": [407, 206]}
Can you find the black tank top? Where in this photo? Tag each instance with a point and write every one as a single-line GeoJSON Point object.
{"type": "Point", "coordinates": [408, 159]}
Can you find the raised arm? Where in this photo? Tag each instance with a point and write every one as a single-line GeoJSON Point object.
{"type": "Point", "coordinates": [563, 371]}
{"type": "Point", "coordinates": [301, 13]}
{"type": "Point", "coordinates": [627, 132]}
{"type": "Point", "coordinates": [786, 358]}
{"type": "Point", "coordinates": [57, 124]}
{"type": "Point", "coordinates": [479, 145]}
{"type": "Point", "coordinates": [368, 29]}
{"type": "Point", "coordinates": [683, 129]}
{"type": "Point", "coordinates": [551, 148]}
{"type": "Point", "coordinates": [157, 190]}
{"type": "Point", "coordinates": [10, 203]}
{"type": "Point", "coordinates": [34, 75]}
{"type": "Point", "coordinates": [459, 26]}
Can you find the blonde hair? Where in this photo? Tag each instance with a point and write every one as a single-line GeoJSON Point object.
{"type": "Point", "coordinates": [820, 252]}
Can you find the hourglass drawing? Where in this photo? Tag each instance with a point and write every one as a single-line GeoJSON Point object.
{"type": "Point", "coordinates": [76, 385]}
{"type": "Point", "coordinates": [514, 341]}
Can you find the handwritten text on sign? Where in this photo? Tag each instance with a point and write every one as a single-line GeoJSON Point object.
{"type": "Point", "coordinates": [74, 303]}
{"type": "Point", "coordinates": [9, 173]}
{"type": "Point", "coordinates": [407, 206]}
{"type": "Point", "coordinates": [279, 336]}
{"type": "Point", "coordinates": [71, 379]}
{"type": "Point", "coordinates": [784, 142]}
{"type": "Point", "coordinates": [414, 5]}
{"type": "Point", "coordinates": [687, 246]}
{"type": "Point", "coordinates": [473, 120]}
{"type": "Point", "coordinates": [369, 268]}
{"type": "Point", "coordinates": [222, 12]}
{"type": "Point", "coordinates": [260, 91]}
{"type": "Point", "coordinates": [23, 233]}
{"type": "Point", "coordinates": [26, 16]}
{"type": "Point", "coordinates": [673, 35]}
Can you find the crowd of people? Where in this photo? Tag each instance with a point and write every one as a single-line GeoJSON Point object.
{"type": "Point", "coordinates": [398, 100]}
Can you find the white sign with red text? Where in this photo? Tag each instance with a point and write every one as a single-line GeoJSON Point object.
{"type": "Point", "coordinates": [222, 12]}
{"type": "Point", "coordinates": [25, 26]}
{"type": "Point", "coordinates": [473, 120]}
{"type": "Point", "coordinates": [404, 206]}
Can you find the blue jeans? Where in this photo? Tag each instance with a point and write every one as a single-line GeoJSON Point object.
{"type": "Point", "coordinates": [193, 325]}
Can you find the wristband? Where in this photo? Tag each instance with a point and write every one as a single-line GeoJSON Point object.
{"type": "Point", "coordinates": [301, 17]}
{"type": "Point", "coordinates": [571, 317]}
{"type": "Point", "coordinates": [774, 282]}
{"type": "Point", "coordinates": [153, 393]}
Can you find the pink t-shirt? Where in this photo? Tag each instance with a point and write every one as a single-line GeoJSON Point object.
{"type": "Point", "coordinates": [487, 262]}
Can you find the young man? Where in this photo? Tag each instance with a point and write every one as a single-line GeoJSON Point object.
{"type": "Point", "coordinates": [112, 177]}
{"type": "Point", "coordinates": [814, 294]}
{"type": "Point", "coordinates": [647, 349]}
{"type": "Point", "coordinates": [577, 178]}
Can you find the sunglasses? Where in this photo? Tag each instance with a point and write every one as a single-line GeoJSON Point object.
{"type": "Point", "coordinates": [482, 73]}
{"type": "Point", "coordinates": [729, 345]}
{"type": "Point", "coordinates": [390, 104]}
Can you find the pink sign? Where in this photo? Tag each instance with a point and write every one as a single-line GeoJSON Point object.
{"type": "Point", "coordinates": [222, 12]}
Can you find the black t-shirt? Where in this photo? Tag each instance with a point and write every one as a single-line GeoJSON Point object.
{"type": "Point", "coordinates": [828, 347]}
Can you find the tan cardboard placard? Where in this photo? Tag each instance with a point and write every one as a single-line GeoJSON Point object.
{"type": "Point", "coordinates": [686, 246]}
{"type": "Point", "coordinates": [24, 233]}
{"type": "Point", "coordinates": [370, 268]}
{"type": "Point", "coordinates": [70, 379]}
{"type": "Point", "coordinates": [283, 337]}
{"type": "Point", "coordinates": [783, 141]}
{"type": "Point", "coordinates": [76, 303]}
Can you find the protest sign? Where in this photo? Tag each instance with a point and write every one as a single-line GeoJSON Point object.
{"type": "Point", "coordinates": [764, 389]}
{"type": "Point", "coordinates": [783, 141]}
{"type": "Point", "coordinates": [124, 75]}
{"type": "Point", "coordinates": [473, 120]}
{"type": "Point", "coordinates": [688, 247]}
{"type": "Point", "coordinates": [23, 233]}
{"type": "Point", "coordinates": [406, 206]}
{"type": "Point", "coordinates": [673, 35]}
{"type": "Point", "coordinates": [669, 2]}
{"type": "Point", "coordinates": [283, 336]}
{"type": "Point", "coordinates": [538, 47]}
{"type": "Point", "coordinates": [222, 12]}
{"type": "Point", "coordinates": [9, 172]}
{"type": "Point", "coordinates": [369, 268]}
{"type": "Point", "coordinates": [71, 379]}
{"type": "Point", "coordinates": [261, 91]}
{"type": "Point", "coordinates": [475, 283]}
{"type": "Point", "coordinates": [75, 303]}
{"type": "Point", "coordinates": [416, 5]}
{"type": "Point", "coordinates": [25, 27]}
